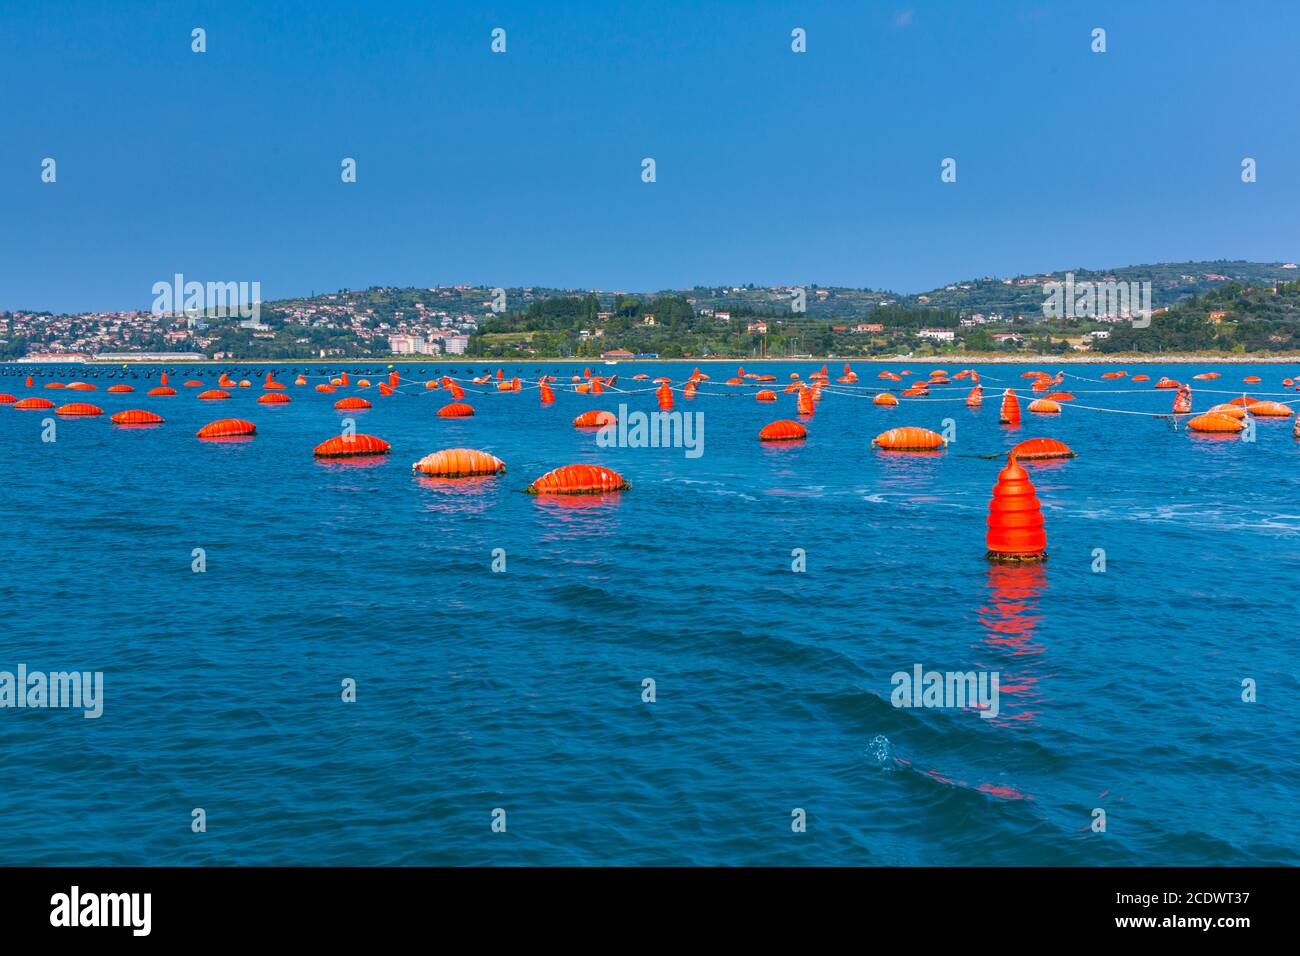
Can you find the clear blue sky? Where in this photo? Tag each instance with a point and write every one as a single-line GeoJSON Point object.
{"type": "Point", "coordinates": [524, 168]}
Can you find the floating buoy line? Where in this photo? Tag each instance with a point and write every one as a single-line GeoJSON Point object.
{"type": "Point", "coordinates": [1229, 413]}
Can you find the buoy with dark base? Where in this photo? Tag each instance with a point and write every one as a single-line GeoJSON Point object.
{"type": "Point", "coordinates": [1016, 534]}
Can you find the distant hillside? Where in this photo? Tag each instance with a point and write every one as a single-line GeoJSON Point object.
{"type": "Point", "coordinates": [979, 315]}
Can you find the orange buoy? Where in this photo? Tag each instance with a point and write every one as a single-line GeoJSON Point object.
{"type": "Point", "coordinates": [1210, 422]}
{"type": "Point", "coordinates": [783, 430]}
{"type": "Point", "coordinates": [1244, 401]}
{"type": "Point", "coordinates": [394, 379]}
{"type": "Point", "coordinates": [136, 416]}
{"type": "Point", "coordinates": [193, 383]}
{"type": "Point", "coordinates": [544, 392]}
{"type": "Point", "coordinates": [162, 379]}
{"type": "Point", "coordinates": [579, 480]}
{"type": "Point", "coordinates": [213, 395]}
{"type": "Point", "coordinates": [325, 388]}
{"type": "Point", "coordinates": [1167, 383]}
{"type": "Point", "coordinates": [1206, 376]}
{"type": "Point", "coordinates": [120, 389]}
{"type": "Point", "coordinates": [272, 386]}
{"type": "Point", "coordinates": [82, 387]}
{"type": "Point", "coordinates": [1183, 400]}
{"type": "Point", "coordinates": [1016, 532]}
{"type": "Point", "coordinates": [459, 463]}
{"type": "Point", "coordinates": [1140, 378]}
{"type": "Point", "coordinates": [78, 409]}
{"type": "Point", "coordinates": [7, 399]}
{"type": "Point", "coordinates": [1042, 449]}
{"type": "Point", "coordinates": [456, 410]}
{"type": "Point", "coordinates": [363, 383]}
{"type": "Point", "coordinates": [300, 380]}
{"type": "Point", "coordinates": [976, 397]}
{"type": "Point", "coordinates": [885, 398]}
{"type": "Point", "coordinates": [54, 385]}
{"type": "Point", "coordinates": [1251, 379]}
{"type": "Point", "coordinates": [227, 428]}
{"type": "Point", "coordinates": [1232, 411]}
{"type": "Point", "coordinates": [336, 382]}
{"type": "Point", "coordinates": [640, 377]}
{"type": "Point", "coordinates": [245, 383]}
{"type": "Point", "coordinates": [1045, 406]}
{"type": "Point", "coordinates": [909, 438]}
{"type": "Point", "coordinates": [595, 419]}
{"type": "Point", "coordinates": [30, 382]}
{"type": "Point", "coordinates": [351, 402]}
{"type": "Point", "coordinates": [385, 388]}
{"type": "Point", "coordinates": [1270, 410]}
{"type": "Point", "coordinates": [1059, 397]}
{"type": "Point", "coordinates": [1010, 413]}
{"type": "Point", "coordinates": [665, 397]}
{"type": "Point", "coordinates": [351, 446]}
{"type": "Point", "coordinates": [273, 398]}
{"type": "Point", "coordinates": [805, 401]}
{"type": "Point", "coordinates": [914, 392]}
{"type": "Point", "coordinates": [30, 403]}
{"type": "Point", "coordinates": [161, 390]}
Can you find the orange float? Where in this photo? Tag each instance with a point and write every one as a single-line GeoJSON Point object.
{"type": "Point", "coordinates": [120, 389]}
{"type": "Point", "coordinates": [1045, 406]}
{"type": "Point", "coordinates": [783, 430]}
{"type": "Point", "coordinates": [885, 398]}
{"type": "Point", "coordinates": [136, 416]}
{"type": "Point", "coordinates": [1016, 532]}
{"type": "Point", "coordinates": [227, 428]}
{"type": "Point", "coordinates": [160, 391]}
{"type": "Point", "coordinates": [82, 387]}
{"type": "Point", "coordinates": [30, 403]}
{"type": "Point", "coordinates": [1232, 411]}
{"type": "Point", "coordinates": [1215, 423]}
{"type": "Point", "coordinates": [1059, 397]}
{"type": "Point", "coordinates": [300, 380]}
{"type": "Point", "coordinates": [326, 389]}
{"type": "Point", "coordinates": [595, 419]}
{"type": "Point", "coordinates": [459, 463]}
{"type": "Point", "coordinates": [7, 399]}
{"type": "Point", "coordinates": [456, 410]}
{"type": "Point", "coordinates": [54, 385]}
{"type": "Point", "coordinates": [351, 402]}
{"type": "Point", "coordinates": [579, 480]}
{"type": "Point", "coordinates": [665, 397]}
{"type": "Point", "coordinates": [1270, 410]}
{"type": "Point", "coordinates": [909, 438]}
{"type": "Point", "coordinates": [1140, 378]}
{"type": "Point", "coordinates": [273, 398]}
{"type": "Point", "coordinates": [1042, 449]}
{"type": "Point", "coordinates": [213, 395]}
{"type": "Point", "coordinates": [351, 446]}
{"type": "Point", "coordinates": [1010, 412]}
{"type": "Point", "coordinates": [976, 397]}
{"type": "Point", "coordinates": [193, 383]}
{"type": "Point", "coordinates": [544, 392]}
{"type": "Point", "coordinates": [765, 395]}
{"type": "Point", "coordinates": [78, 409]}
{"type": "Point", "coordinates": [1251, 379]}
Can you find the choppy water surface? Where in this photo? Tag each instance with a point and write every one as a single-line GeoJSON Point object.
{"type": "Point", "coordinates": [523, 690]}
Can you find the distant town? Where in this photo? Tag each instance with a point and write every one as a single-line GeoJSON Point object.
{"type": "Point", "coordinates": [1204, 306]}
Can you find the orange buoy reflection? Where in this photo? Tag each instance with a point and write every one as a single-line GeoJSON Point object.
{"type": "Point", "coordinates": [1010, 617]}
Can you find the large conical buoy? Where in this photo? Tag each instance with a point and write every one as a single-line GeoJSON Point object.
{"type": "Point", "coordinates": [1016, 531]}
{"type": "Point", "coordinates": [665, 396]}
{"type": "Point", "coordinates": [1010, 414]}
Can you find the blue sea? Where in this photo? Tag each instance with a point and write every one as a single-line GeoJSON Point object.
{"type": "Point", "coordinates": [522, 690]}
